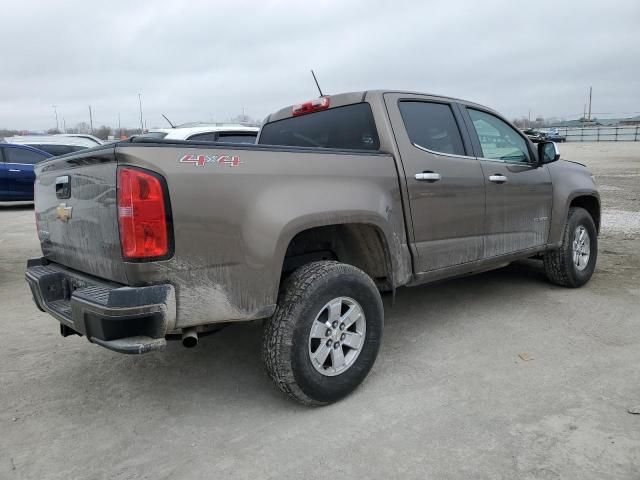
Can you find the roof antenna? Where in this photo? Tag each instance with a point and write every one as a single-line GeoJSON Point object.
{"type": "Point", "coordinates": [317, 84]}
{"type": "Point", "coordinates": [165, 117]}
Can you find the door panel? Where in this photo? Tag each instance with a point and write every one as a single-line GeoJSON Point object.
{"type": "Point", "coordinates": [4, 181]}
{"type": "Point", "coordinates": [20, 174]}
{"type": "Point", "coordinates": [518, 193]}
{"type": "Point", "coordinates": [446, 200]}
{"type": "Point", "coordinates": [518, 210]}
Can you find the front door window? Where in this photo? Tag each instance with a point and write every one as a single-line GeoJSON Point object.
{"type": "Point", "coordinates": [498, 140]}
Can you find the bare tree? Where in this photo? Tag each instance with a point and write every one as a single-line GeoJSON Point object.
{"type": "Point", "coordinates": [103, 132]}
{"type": "Point", "coordinates": [4, 132]}
{"type": "Point", "coordinates": [83, 127]}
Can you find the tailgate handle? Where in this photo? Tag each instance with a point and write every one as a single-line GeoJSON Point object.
{"type": "Point", "coordinates": [63, 187]}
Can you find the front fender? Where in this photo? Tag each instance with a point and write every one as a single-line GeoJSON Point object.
{"type": "Point", "coordinates": [570, 181]}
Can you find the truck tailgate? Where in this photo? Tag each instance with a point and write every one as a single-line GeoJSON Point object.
{"type": "Point", "coordinates": [76, 213]}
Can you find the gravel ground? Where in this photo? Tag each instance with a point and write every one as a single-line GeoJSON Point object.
{"type": "Point", "coordinates": [497, 376]}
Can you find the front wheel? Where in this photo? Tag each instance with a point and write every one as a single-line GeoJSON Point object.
{"type": "Point", "coordinates": [573, 264]}
{"type": "Point", "coordinates": [325, 334]}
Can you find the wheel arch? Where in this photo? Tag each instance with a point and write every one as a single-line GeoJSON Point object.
{"type": "Point", "coordinates": [591, 204]}
{"type": "Point", "coordinates": [366, 243]}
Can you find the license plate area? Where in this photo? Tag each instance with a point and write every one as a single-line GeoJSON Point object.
{"type": "Point", "coordinates": [59, 287]}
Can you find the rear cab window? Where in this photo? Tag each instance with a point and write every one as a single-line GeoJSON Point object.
{"type": "Point", "coordinates": [350, 127]}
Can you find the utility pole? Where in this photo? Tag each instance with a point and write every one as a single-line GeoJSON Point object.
{"type": "Point", "coordinates": [529, 126]}
{"type": "Point", "coordinates": [91, 119]}
{"type": "Point", "coordinates": [119, 128]}
{"type": "Point", "coordinates": [141, 122]}
{"type": "Point", "coordinates": [55, 111]}
{"type": "Point", "coordinates": [590, 91]}
{"type": "Point", "coordinates": [584, 114]}
{"type": "Point", "coordinates": [64, 125]}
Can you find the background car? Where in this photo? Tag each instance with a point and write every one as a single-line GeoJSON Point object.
{"type": "Point", "coordinates": [16, 171]}
{"type": "Point", "coordinates": [54, 144]}
{"type": "Point", "coordinates": [216, 132]}
{"type": "Point", "coordinates": [93, 138]}
{"type": "Point", "coordinates": [554, 135]}
{"type": "Point", "coordinates": [534, 135]}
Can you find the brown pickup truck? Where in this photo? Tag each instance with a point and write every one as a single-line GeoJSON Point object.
{"type": "Point", "coordinates": [343, 197]}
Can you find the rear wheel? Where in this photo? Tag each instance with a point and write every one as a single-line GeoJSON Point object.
{"type": "Point", "coordinates": [573, 264]}
{"type": "Point", "coordinates": [325, 334]}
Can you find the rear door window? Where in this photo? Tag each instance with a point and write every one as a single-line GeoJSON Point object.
{"type": "Point", "coordinates": [204, 137]}
{"type": "Point", "coordinates": [232, 137]}
{"type": "Point", "coordinates": [59, 149]}
{"type": "Point", "coordinates": [153, 135]}
{"type": "Point", "coordinates": [237, 137]}
{"type": "Point", "coordinates": [23, 156]}
{"type": "Point", "coordinates": [350, 127]}
{"type": "Point", "coordinates": [432, 126]}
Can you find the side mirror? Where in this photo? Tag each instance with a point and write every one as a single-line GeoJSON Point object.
{"type": "Point", "coordinates": [548, 152]}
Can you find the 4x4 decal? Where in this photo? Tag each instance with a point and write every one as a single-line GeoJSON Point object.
{"type": "Point", "coordinates": [202, 160]}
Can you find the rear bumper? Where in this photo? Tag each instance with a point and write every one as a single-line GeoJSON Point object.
{"type": "Point", "coordinates": [123, 319]}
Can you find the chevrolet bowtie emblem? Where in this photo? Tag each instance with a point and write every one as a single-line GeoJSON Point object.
{"type": "Point", "coordinates": [63, 212]}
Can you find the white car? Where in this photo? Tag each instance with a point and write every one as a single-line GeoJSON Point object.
{"type": "Point", "coordinates": [94, 139]}
{"type": "Point", "coordinates": [53, 144]}
{"type": "Point", "coordinates": [215, 132]}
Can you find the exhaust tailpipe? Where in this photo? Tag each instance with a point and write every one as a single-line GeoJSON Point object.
{"type": "Point", "coordinates": [189, 337]}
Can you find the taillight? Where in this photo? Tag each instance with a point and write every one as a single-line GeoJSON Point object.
{"type": "Point", "coordinates": [142, 215]}
{"type": "Point", "coordinates": [321, 103]}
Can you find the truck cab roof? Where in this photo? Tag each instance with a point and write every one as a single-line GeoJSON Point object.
{"type": "Point", "coordinates": [349, 98]}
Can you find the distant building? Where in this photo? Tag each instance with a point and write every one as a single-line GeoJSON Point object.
{"type": "Point", "coordinates": [630, 121]}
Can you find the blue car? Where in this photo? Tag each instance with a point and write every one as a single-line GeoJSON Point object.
{"type": "Point", "coordinates": [16, 171]}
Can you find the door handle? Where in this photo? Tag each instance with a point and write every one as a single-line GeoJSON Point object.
{"type": "Point", "coordinates": [497, 178]}
{"type": "Point", "coordinates": [428, 176]}
{"type": "Point", "coordinates": [14, 170]}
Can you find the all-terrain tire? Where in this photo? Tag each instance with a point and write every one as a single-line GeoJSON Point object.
{"type": "Point", "coordinates": [559, 264]}
{"type": "Point", "coordinates": [285, 345]}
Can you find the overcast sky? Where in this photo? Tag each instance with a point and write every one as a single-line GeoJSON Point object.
{"type": "Point", "coordinates": [209, 60]}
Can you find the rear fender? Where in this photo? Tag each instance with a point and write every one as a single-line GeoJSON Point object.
{"type": "Point", "coordinates": [269, 233]}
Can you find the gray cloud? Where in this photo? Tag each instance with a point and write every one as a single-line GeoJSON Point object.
{"type": "Point", "coordinates": [203, 60]}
